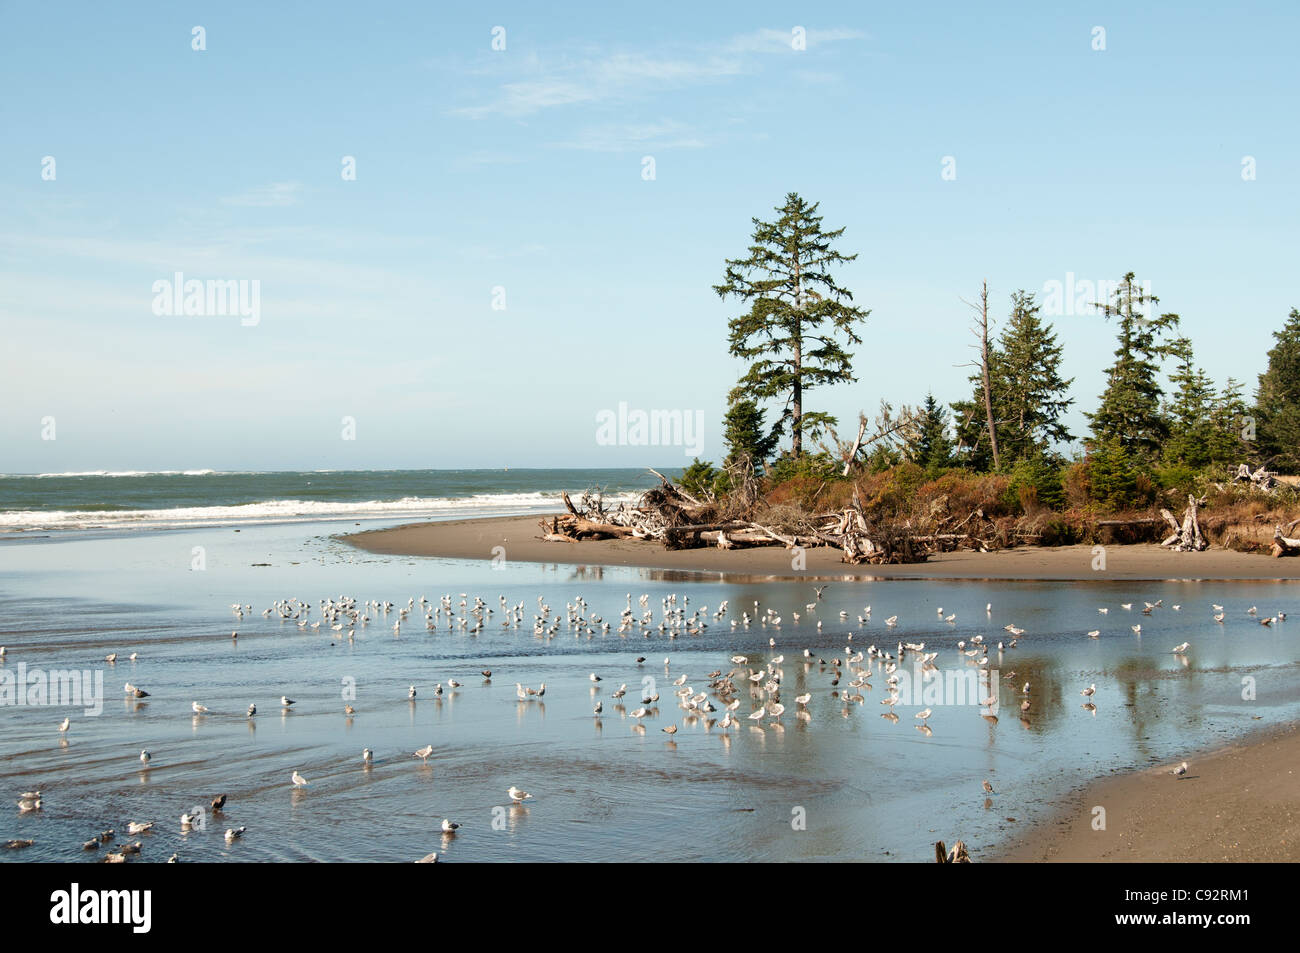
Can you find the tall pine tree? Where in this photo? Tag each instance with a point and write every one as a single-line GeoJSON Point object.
{"type": "Point", "coordinates": [1191, 430]}
{"type": "Point", "coordinates": [796, 318]}
{"type": "Point", "coordinates": [1130, 413]}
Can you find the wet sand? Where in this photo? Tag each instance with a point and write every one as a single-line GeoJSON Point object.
{"type": "Point", "coordinates": [519, 539]}
{"type": "Point", "coordinates": [1241, 803]}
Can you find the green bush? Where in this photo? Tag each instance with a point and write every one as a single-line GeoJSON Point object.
{"type": "Point", "coordinates": [700, 479]}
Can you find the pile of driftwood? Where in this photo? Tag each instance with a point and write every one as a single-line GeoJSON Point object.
{"type": "Point", "coordinates": [1261, 478]}
{"type": "Point", "coordinates": [669, 514]}
{"type": "Point", "coordinates": [1187, 536]}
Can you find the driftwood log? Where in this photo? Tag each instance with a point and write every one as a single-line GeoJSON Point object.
{"type": "Point", "coordinates": [1284, 545]}
{"type": "Point", "coordinates": [958, 855]}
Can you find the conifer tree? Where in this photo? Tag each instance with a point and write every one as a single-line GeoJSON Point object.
{"type": "Point", "coordinates": [1277, 401]}
{"type": "Point", "coordinates": [1028, 392]}
{"type": "Point", "coordinates": [931, 446]}
{"type": "Point", "coordinates": [745, 436]}
{"type": "Point", "coordinates": [797, 316]}
{"type": "Point", "coordinates": [1130, 411]}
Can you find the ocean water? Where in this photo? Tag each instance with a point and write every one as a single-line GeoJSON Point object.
{"type": "Point", "coordinates": [178, 499]}
{"type": "Point", "coordinates": [841, 782]}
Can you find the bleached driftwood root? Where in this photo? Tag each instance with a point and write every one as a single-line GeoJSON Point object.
{"type": "Point", "coordinates": [1187, 537]}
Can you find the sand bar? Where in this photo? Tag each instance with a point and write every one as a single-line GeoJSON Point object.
{"type": "Point", "coordinates": [519, 537]}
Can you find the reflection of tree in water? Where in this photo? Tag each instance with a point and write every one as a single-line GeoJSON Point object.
{"type": "Point", "coordinates": [1140, 681]}
{"type": "Point", "coordinates": [1045, 691]}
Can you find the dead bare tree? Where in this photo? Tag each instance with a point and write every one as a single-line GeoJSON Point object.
{"type": "Point", "coordinates": [887, 427]}
{"type": "Point", "coordinates": [981, 332]}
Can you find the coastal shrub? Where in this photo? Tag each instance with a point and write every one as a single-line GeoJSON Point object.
{"type": "Point", "coordinates": [700, 479]}
{"type": "Point", "coordinates": [1076, 487]}
{"type": "Point", "coordinates": [1178, 478]}
{"type": "Point", "coordinates": [1034, 482]}
{"type": "Point", "coordinates": [811, 466]}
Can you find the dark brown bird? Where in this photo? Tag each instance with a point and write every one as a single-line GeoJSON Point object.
{"type": "Point", "coordinates": [218, 802]}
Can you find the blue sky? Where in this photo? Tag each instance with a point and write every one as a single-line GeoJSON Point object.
{"type": "Point", "coordinates": [522, 168]}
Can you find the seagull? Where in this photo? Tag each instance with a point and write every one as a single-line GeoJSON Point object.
{"type": "Point", "coordinates": [1180, 770]}
{"type": "Point", "coordinates": [234, 833]}
{"type": "Point", "coordinates": [1181, 648]}
{"type": "Point", "coordinates": [410, 692]}
{"type": "Point", "coordinates": [600, 706]}
{"type": "Point", "coordinates": [1094, 634]}
{"type": "Point", "coordinates": [218, 802]}
{"type": "Point", "coordinates": [924, 715]}
{"type": "Point", "coordinates": [669, 729]}
{"type": "Point", "coordinates": [1136, 628]}
{"type": "Point", "coordinates": [988, 788]}
{"type": "Point", "coordinates": [424, 753]}
{"type": "Point", "coordinates": [286, 701]}
{"type": "Point", "coordinates": [517, 795]}
{"type": "Point", "coordinates": [252, 710]}
{"type": "Point", "coordinates": [1104, 611]}
{"type": "Point", "coordinates": [145, 756]}
{"type": "Point", "coordinates": [1089, 691]}
{"type": "Point", "coordinates": [449, 827]}
{"type": "Point", "coordinates": [367, 756]}
{"type": "Point", "coordinates": [67, 723]}
{"type": "Point", "coordinates": [299, 781]}
{"type": "Point", "coordinates": [198, 709]}
{"type": "Point", "coordinates": [139, 827]}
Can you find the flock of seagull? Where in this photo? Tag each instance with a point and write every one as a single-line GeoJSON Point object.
{"type": "Point", "coordinates": [760, 680]}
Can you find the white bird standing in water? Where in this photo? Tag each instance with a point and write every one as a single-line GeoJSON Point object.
{"type": "Point", "coordinates": [517, 795]}
{"type": "Point", "coordinates": [1089, 691]}
{"type": "Point", "coordinates": [367, 756]}
{"type": "Point", "coordinates": [286, 701]}
{"type": "Point", "coordinates": [299, 781]}
{"type": "Point", "coordinates": [67, 723]}
{"type": "Point", "coordinates": [145, 756]}
{"type": "Point", "coordinates": [423, 753]}
{"type": "Point", "coordinates": [198, 709]}
{"type": "Point", "coordinates": [1181, 648]}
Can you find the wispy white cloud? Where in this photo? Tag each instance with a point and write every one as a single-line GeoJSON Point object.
{"type": "Point", "coordinates": [276, 195]}
{"type": "Point", "coordinates": [568, 81]}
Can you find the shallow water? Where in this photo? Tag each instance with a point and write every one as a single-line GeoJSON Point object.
{"type": "Point", "coordinates": [866, 788]}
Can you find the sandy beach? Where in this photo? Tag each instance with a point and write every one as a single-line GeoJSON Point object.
{"type": "Point", "coordinates": [1240, 803]}
{"type": "Point", "coordinates": [518, 537]}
